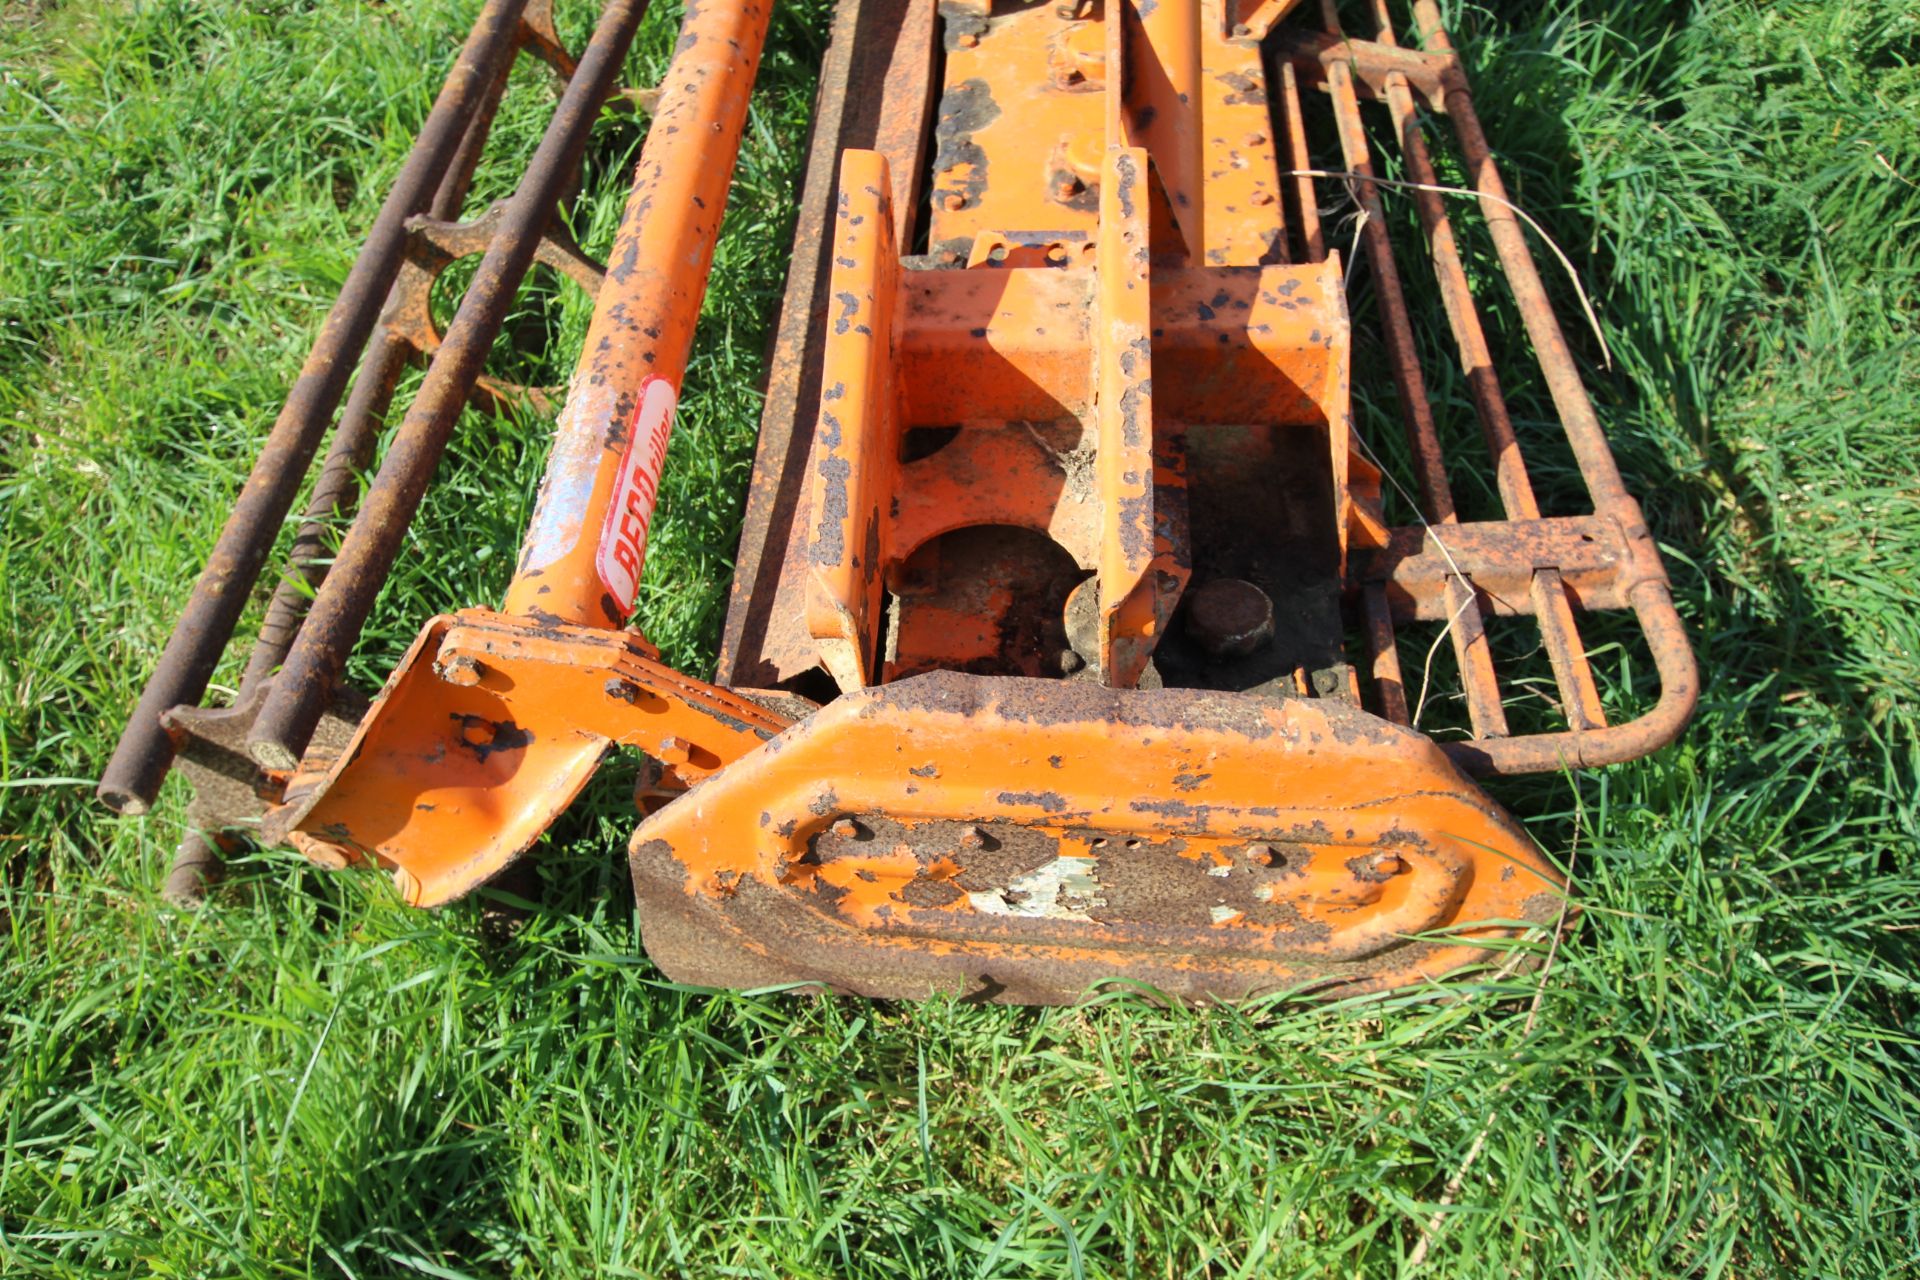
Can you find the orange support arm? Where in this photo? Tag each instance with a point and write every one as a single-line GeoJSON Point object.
{"type": "Point", "coordinates": [587, 543]}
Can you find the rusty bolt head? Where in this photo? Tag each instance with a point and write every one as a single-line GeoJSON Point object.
{"type": "Point", "coordinates": [1265, 855]}
{"type": "Point", "coordinates": [953, 202]}
{"type": "Point", "coordinates": [622, 690]}
{"type": "Point", "coordinates": [1263, 197]}
{"type": "Point", "coordinates": [1229, 617]}
{"type": "Point", "coordinates": [966, 39]}
{"type": "Point", "coordinates": [844, 828]}
{"type": "Point", "coordinates": [973, 837]}
{"type": "Point", "coordinates": [675, 750]}
{"type": "Point", "coordinates": [460, 670]}
{"type": "Point", "coordinates": [1242, 29]}
{"type": "Point", "coordinates": [1389, 864]}
{"type": "Point", "coordinates": [1068, 187]}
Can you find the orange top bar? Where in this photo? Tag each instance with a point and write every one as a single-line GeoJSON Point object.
{"type": "Point", "coordinates": [577, 565]}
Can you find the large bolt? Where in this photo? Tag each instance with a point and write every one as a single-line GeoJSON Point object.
{"type": "Point", "coordinates": [1229, 617]}
{"type": "Point", "coordinates": [675, 750]}
{"type": "Point", "coordinates": [954, 202]}
{"type": "Point", "coordinates": [966, 39]}
{"type": "Point", "coordinates": [973, 838]}
{"type": "Point", "coordinates": [844, 828]}
{"type": "Point", "coordinates": [1083, 622]}
{"type": "Point", "coordinates": [622, 690]}
{"type": "Point", "coordinates": [1068, 187]}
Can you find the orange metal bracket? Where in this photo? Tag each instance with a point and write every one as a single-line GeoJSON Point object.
{"type": "Point", "coordinates": [487, 730]}
{"type": "Point", "coordinates": [859, 425]}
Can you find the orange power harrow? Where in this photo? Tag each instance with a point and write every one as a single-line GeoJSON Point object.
{"type": "Point", "coordinates": [1063, 643]}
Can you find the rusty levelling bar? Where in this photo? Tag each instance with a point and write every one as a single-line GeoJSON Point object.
{"type": "Point", "coordinates": [132, 778]}
{"type": "Point", "coordinates": [230, 792]}
{"type": "Point", "coordinates": [1036, 671]}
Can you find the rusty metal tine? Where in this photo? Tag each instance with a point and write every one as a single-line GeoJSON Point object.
{"type": "Point", "coordinates": [132, 777]}
{"type": "Point", "coordinates": [1579, 696]}
{"type": "Point", "coordinates": [294, 705]}
{"type": "Point", "coordinates": [1589, 442]}
{"type": "Point", "coordinates": [1466, 626]}
{"type": "Point", "coordinates": [351, 450]}
{"type": "Point", "coordinates": [1305, 199]}
{"type": "Point", "coordinates": [1410, 385]}
{"type": "Point", "coordinates": [1559, 632]}
{"type": "Point", "coordinates": [199, 861]}
{"type": "Point", "coordinates": [1456, 296]}
{"type": "Point", "coordinates": [1385, 654]}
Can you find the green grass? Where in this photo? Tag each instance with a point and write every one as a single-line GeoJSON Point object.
{"type": "Point", "coordinates": [1718, 1078]}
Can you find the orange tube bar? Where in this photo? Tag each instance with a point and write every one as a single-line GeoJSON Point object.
{"type": "Point", "coordinates": [586, 545]}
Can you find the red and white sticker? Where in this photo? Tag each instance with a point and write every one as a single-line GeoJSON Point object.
{"type": "Point", "coordinates": [623, 539]}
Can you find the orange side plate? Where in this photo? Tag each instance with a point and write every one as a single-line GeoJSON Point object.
{"type": "Point", "coordinates": [1007, 838]}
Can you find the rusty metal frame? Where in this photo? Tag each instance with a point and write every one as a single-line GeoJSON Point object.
{"type": "Point", "coordinates": [1526, 564]}
{"type": "Point", "coordinates": [383, 312]}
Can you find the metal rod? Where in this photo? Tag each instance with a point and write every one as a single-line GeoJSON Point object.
{"type": "Point", "coordinates": [300, 693]}
{"type": "Point", "coordinates": [1466, 627]}
{"type": "Point", "coordinates": [351, 450]}
{"type": "Point", "coordinates": [642, 329]}
{"type": "Point", "coordinates": [1306, 200]}
{"type": "Point", "coordinates": [199, 860]}
{"type": "Point", "coordinates": [133, 776]}
{"type": "Point", "coordinates": [1579, 697]}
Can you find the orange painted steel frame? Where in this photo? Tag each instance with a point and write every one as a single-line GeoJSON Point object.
{"type": "Point", "coordinates": [1060, 512]}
